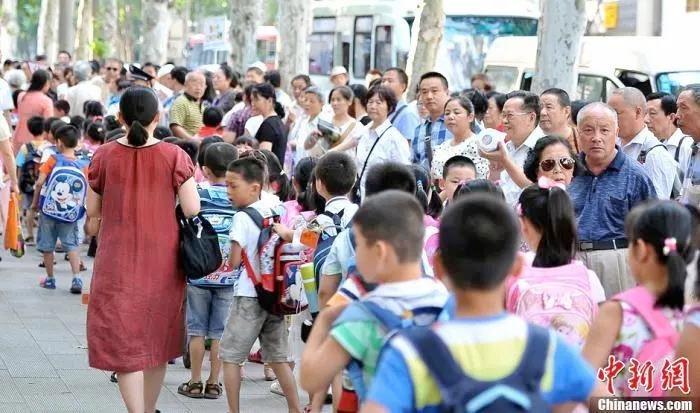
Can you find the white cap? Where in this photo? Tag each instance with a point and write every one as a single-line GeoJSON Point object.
{"type": "Point", "coordinates": [339, 70]}
{"type": "Point", "coordinates": [165, 69]}
{"type": "Point", "coordinates": [258, 65]}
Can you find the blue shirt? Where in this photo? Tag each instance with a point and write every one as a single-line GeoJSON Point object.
{"type": "Point", "coordinates": [438, 134]}
{"type": "Point", "coordinates": [602, 202]}
{"type": "Point", "coordinates": [488, 348]}
{"type": "Point", "coordinates": [406, 120]}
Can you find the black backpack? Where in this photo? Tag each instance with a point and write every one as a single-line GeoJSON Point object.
{"type": "Point", "coordinates": [29, 171]}
{"type": "Point", "coordinates": [199, 245]}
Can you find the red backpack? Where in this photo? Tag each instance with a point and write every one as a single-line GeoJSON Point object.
{"type": "Point", "coordinates": [279, 284]}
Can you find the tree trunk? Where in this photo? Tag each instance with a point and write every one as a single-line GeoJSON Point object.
{"type": "Point", "coordinates": [83, 41]}
{"type": "Point", "coordinates": [559, 35]}
{"type": "Point", "coordinates": [47, 34]}
{"type": "Point", "coordinates": [294, 26]}
{"type": "Point", "coordinates": [9, 30]}
{"type": "Point", "coordinates": [425, 39]}
{"type": "Point", "coordinates": [245, 17]}
{"type": "Point", "coordinates": [66, 26]}
{"type": "Point", "coordinates": [179, 32]}
{"type": "Point", "coordinates": [156, 28]}
{"type": "Point", "coordinates": [110, 33]}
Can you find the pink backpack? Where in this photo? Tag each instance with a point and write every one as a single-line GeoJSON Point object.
{"type": "Point", "coordinates": [664, 336]}
{"type": "Point", "coordinates": [558, 297]}
{"type": "Point", "coordinates": [293, 211]}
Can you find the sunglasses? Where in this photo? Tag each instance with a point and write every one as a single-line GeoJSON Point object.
{"type": "Point", "coordinates": [549, 164]}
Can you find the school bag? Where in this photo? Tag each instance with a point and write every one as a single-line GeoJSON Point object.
{"type": "Point", "coordinates": [664, 336]}
{"type": "Point", "coordinates": [199, 245]}
{"type": "Point", "coordinates": [63, 196]}
{"type": "Point", "coordinates": [325, 242]}
{"type": "Point", "coordinates": [218, 211]}
{"type": "Point", "coordinates": [518, 392]}
{"type": "Point", "coordinates": [279, 284]}
{"type": "Point", "coordinates": [30, 170]}
{"type": "Point", "coordinates": [354, 386]}
{"type": "Point", "coordinates": [557, 297]}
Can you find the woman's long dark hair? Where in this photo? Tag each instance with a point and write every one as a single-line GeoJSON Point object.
{"type": "Point", "coordinates": [550, 211]}
{"type": "Point", "coordinates": [267, 91]}
{"type": "Point", "coordinates": [39, 80]}
{"type": "Point", "coordinates": [139, 107]}
{"type": "Point", "coordinates": [662, 224]}
{"type": "Point", "coordinates": [303, 175]}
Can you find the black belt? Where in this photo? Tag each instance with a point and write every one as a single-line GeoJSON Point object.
{"type": "Point", "coordinates": [611, 244]}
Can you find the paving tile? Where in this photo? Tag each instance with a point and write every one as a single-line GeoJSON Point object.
{"type": "Point", "coordinates": [9, 393]}
{"type": "Point", "coordinates": [47, 394]}
{"type": "Point", "coordinates": [70, 346]}
{"type": "Point", "coordinates": [69, 361]}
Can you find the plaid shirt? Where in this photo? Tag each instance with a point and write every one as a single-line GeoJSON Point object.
{"type": "Point", "coordinates": [238, 120]}
{"type": "Point", "coordinates": [438, 134]}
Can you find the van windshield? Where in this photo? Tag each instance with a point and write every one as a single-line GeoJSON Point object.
{"type": "Point", "coordinates": [467, 40]}
{"type": "Point", "coordinates": [672, 82]}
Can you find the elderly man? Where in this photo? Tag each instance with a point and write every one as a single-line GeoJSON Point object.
{"type": "Point", "coordinates": [339, 76]}
{"type": "Point", "coordinates": [434, 92]}
{"type": "Point", "coordinates": [84, 91]}
{"type": "Point", "coordinates": [404, 117]}
{"type": "Point", "coordinates": [187, 110]}
{"type": "Point", "coordinates": [637, 142]}
{"type": "Point", "coordinates": [555, 115]}
{"type": "Point", "coordinates": [611, 186]}
{"type": "Point", "coordinates": [661, 121]}
{"type": "Point", "coordinates": [688, 116]}
{"type": "Point", "coordinates": [521, 114]}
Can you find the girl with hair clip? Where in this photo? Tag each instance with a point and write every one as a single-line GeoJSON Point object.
{"type": "Point", "coordinates": [554, 289]}
{"type": "Point", "coordinates": [135, 183]}
{"type": "Point", "coordinates": [643, 323]}
{"type": "Point", "coordinates": [278, 182]}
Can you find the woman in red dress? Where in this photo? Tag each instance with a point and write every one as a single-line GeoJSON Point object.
{"type": "Point", "coordinates": [135, 317]}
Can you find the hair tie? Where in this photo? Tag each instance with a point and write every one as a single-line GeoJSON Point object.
{"type": "Point", "coordinates": [545, 183]}
{"type": "Point", "coordinates": [519, 209]}
{"type": "Point", "coordinates": [670, 245]}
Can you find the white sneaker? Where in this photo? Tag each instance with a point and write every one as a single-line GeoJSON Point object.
{"type": "Point", "coordinates": [276, 388]}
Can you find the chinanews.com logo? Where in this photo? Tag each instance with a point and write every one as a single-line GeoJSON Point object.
{"type": "Point", "coordinates": [643, 404]}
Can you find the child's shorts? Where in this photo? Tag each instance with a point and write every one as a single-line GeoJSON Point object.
{"type": "Point", "coordinates": [247, 322]}
{"type": "Point", "coordinates": [207, 309]}
{"type": "Point", "coordinates": [51, 230]}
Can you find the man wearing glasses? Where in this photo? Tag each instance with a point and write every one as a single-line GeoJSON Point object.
{"type": "Point", "coordinates": [611, 186]}
{"type": "Point", "coordinates": [521, 115]}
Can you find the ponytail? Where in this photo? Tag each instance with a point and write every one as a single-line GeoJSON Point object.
{"type": "Point", "coordinates": [138, 135]}
{"type": "Point", "coordinates": [279, 109]}
{"type": "Point", "coordinates": [673, 296]}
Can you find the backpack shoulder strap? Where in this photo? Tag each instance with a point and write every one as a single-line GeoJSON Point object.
{"type": "Point", "coordinates": [440, 363]}
{"type": "Point", "coordinates": [642, 158]}
{"type": "Point", "coordinates": [398, 112]}
{"type": "Point", "coordinates": [389, 320]}
{"type": "Point", "coordinates": [30, 148]}
{"type": "Point", "coordinates": [532, 364]}
{"type": "Point", "coordinates": [677, 155]}
{"type": "Point", "coordinates": [643, 303]}
{"type": "Point", "coordinates": [254, 215]}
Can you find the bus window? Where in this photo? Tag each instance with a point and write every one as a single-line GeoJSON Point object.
{"type": "Point", "coordinates": [609, 88]}
{"type": "Point", "coordinates": [346, 54]}
{"type": "Point", "coordinates": [363, 46]}
{"type": "Point", "coordinates": [637, 80]}
{"type": "Point", "coordinates": [221, 56]}
{"type": "Point", "coordinates": [321, 46]}
{"type": "Point", "coordinates": [590, 88]}
{"type": "Point", "coordinates": [526, 82]}
{"type": "Point", "coordinates": [503, 78]}
{"type": "Point", "coordinates": [382, 48]}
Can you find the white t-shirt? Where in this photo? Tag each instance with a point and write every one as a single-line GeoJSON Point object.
{"type": "Point", "coordinates": [245, 233]}
{"type": "Point", "coordinates": [253, 124]}
{"type": "Point", "coordinates": [5, 96]}
{"type": "Point", "coordinates": [335, 206]}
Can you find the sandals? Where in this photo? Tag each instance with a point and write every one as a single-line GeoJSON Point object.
{"type": "Point", "coordinates": [192, 390]}
{"type": "Point", "coordinates": [213, 391]}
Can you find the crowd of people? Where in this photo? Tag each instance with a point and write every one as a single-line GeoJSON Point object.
{"type": "Point", "coordinates": [443, 271]}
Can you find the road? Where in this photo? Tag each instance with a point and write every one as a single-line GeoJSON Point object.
{"type": "Point", "coordinates": [43, 355]}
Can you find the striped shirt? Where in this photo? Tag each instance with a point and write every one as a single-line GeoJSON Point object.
{"type": "Point", "coordinates": [438, 134]}
{"type": "Point", "coordinates": [187, 112]}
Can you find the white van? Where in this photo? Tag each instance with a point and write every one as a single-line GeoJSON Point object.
{"type": "Point", "coordinates": [650, 64]}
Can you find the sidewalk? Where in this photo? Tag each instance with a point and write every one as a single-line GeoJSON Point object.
{"type": "Point", "coordinates": [43, 355]}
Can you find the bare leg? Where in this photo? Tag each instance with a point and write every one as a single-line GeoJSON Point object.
{"type": "Point", "coordinates": [153, 382]}
{"type": "Point", "coordinates": [288, 384]}
{"type": "Point", "coordinates": [48, 263]}
{"type": "Point", "coordinates": [232, 383]}
{"type": "Point", "coordinates": [337, 390]}
{"type": "Point", "coordinates": [316, 400]}
{"type": "Point", "coordinates": [74, 259]}
{"type": "Point", "coordinates": [30, 223]}
{"type": "Point", "coordinates": [196, 357]}
{"type": "Point", "coordinates": [131, 389]}
{"type": "Point", "coordinates": [215, 362]}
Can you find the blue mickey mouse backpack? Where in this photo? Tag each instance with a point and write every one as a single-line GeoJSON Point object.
{"type": "Point", "coordinates": [63, 196]}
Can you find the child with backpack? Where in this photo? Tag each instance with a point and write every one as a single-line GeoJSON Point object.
{"type": "Point", "coordinates": [483, 353]}
{"type": "Point", "coordinates": [553, 290]}
{"type": "Point", "coordinates": [389, 251]}
{"type": "Point", "coordinates": [61, 190]}
{"type": "Point", "coordinates": [644, 322]}
{"type": "Point", "coordinates": [209, 298]}
{"type": "Point", "coordinates": [248, 320]}
{"type": "Point", "coordinates": [28, 162]}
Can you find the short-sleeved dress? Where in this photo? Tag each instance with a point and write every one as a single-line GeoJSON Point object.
{"type": "Point", "coordinates": [135, 317]}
